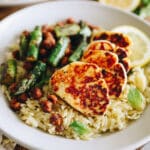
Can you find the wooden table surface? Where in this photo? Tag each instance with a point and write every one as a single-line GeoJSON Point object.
{"type": "Point", "coordinates": [4, 12]}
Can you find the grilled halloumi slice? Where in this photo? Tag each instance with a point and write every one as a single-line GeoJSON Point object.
{"type": "Point", "coordinates": [118, 39]}
{"type": "Point", "coordinates": [101, 45]}
{"type": "Point", "coordinates": [123, 57]}
{"type": "Point", "coordinates": [81, 85]}
{"type": "Point", "coordinates": [103, 59]}
{"type": "Point", "coordinates": [113, 72]}
{"type": "Point", "coordinates": [108, 46]}
{"type": "Point", "coordinates": [116, 79]}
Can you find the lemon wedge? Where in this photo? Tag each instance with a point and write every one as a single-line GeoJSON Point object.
{"type": "Point", "coordinates": [140, 46]}
{"type": "Point", "coordinates": [128, 5]}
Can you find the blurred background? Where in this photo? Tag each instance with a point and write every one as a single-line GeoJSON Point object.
{"type": "Point", "coordinates": [140, 8]}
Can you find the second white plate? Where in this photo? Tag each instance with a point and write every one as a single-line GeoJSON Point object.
{"type": "Point", "coordinates": [5, 3]}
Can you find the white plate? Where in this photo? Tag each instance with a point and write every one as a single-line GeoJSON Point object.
{"type": "Point", "coordinates": [135, 135]}
{"type": "Point", "coordinates": [4, 3]}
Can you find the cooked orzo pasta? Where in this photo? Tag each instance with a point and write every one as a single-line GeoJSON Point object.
{"type": "Point", "coordinates": [74, 80]}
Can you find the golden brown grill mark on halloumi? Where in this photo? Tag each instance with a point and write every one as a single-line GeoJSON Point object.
{"type": "Point", "coordinates": [121, 41]}
{"type": "Point", "coordinates": [81, 85]}
{"type": "Point", "coordinates": [116, 79]}
{"type": "Point", "coordinates": [103, 59]}
{"type": "Point", "coordinates": [118, 39]}
{"type": "Point", "coordinates": [101, 45]}
{"type": "Point", "coordinates": [108, 46]}
{"type": "Point", "coordinates": [113, 72]}
{"type": "Point", "coordinates": [126, 64]}
{"type": "Point", "coordinates": [123, 57]}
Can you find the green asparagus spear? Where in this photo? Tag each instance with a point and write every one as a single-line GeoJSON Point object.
{"type": "Point", "coordinates": [59, 51]}
{"type": "Point", "coordinates": [85, 32]}
{"type": "Point", "coordinates": [67, 30]}
{"type": "Point", "coordinates": [33, 77]}
{"type": "Point", "coordinates": [78, 52]}
{"type": "Point", "coordinates": [8, 72]}
{"type": "Point", "coordinates": [45, 77]}
{"type": "Point", "coordinates": [35, 40]}
{"type": "Point", "coordinates": [23, 46]}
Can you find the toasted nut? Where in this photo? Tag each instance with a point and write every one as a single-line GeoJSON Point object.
{"type": "Point", "coordinates": [43, 52]}
{"type": "Point", "coordinates": [50, 28]}
{"type": "Point", "coordinates": [52, 98]}
{"type": "Point", "coordinates": [44, 28]}
{"type": "Point", "coordinates": [61, 23]}
{"type": "Point", "coordinates": [22, 98]}
{"type": "Point", "coordinates": [46, 106]}
{"type": "Point", "coordinates": [28, 66]}
{"type": "Point", "coordinates": [26, 33]}
{"type": "Point", "coordinates": [48, 35]}
{"type": "Point", "coordinates": [48, 43]}
{"type": "Point", "coordinates": [44, 60]}
{"type": "Point", "coordinates": [47, 28]}
{"type": "Point", "coordinates": [13, 87]}
{"type": "Point", "coordinates": [16, 54]}
{"type": "Point", "coordinates": [70, 21]}
{"type": "Point", "coordinates": [59, 128]}
{"type": "Point", "coordinates": [37, 93]}
{"type": "Point", "coordinates": [56, 119]}
{"type": "Point", "coordinates": [14, 105]}
{"type": "Point", "coordinates": [64, 61]}
{"type": "Point", "coordinates": [68, 51]}
{"type": "Point", "coordinates": [49, 40]}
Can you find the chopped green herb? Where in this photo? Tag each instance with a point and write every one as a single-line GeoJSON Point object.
{"type": "Point", "coordinates": [79, 128]}
{"type": "Point", "coordinates": [135, 98]}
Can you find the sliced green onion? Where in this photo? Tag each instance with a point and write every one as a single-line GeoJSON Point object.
{"type": "Point", "coordinates": [79, 128]}
{"type": "Point", "coordinates": [135, 98]}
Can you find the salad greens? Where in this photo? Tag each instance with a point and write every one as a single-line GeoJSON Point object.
{"type": "Point", "coordinates": [144, 9]}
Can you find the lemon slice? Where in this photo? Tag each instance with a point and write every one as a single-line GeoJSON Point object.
{"type": "Point", "coordinates": [128, 5]}
{"type": "Point", "coordinates": [140, 46]}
